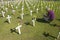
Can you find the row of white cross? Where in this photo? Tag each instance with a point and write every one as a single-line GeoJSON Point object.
{"type": "Point", "coordinates": [58, 36]}
{"type": "Point", "coordinates": [34, 5]}
{"type": "Point", "coordinates": [19, 26]}
{"type": "Point", "coordinates": [13, 11]}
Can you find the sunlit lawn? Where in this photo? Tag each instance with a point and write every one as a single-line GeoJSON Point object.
{"type": "Point", "coordinates": [29, 32]}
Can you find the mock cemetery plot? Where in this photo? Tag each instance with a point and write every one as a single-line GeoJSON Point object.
{"type": "Point", "coordinates": [21, 20]}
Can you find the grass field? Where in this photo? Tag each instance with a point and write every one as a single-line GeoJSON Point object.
{"type": "Point", "coordinates": [29, 32]}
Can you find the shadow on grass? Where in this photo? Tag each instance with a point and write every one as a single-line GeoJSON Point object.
{"type": "Point", "coordinates": [55, 25]}
{"type": "Point", "coordinates": [1, 16]}
{"type": "Point", "coordinates": [34, 11]}
{"type": "Point", "coordinates": [28, 23]}
{"type": "Point", "coordinates": [18, 17]}
{"type": "Point", "coordinates": [47, 34]}
{"type": "Point", "coordinates": [41, 20]}
{"type": "Point", "coordinates": [58, 19]}
{"type": "Point", "coordinates": [6, 22]}
{"type": "Point", "coordinates": [13, 30]}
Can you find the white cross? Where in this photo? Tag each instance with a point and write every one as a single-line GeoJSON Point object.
{"type": "Point", "coordinates": [12, 6]}
{"type": "Point", "coordinates": [34, 6]}
{"type": "Point", "coordinates": [31, 12]}
{"type": "Point", "coordinates": [6, 9]}
{"type": "Point", "coordinates": [52, 5]}
{"type": "Point", "coordinates": [58, 35]}
{"type": "Point", "coordinates": [37, 10]}
{"type": "Point", "coordinates": [22, 16]}
{"type": "Point", "coordinates": [18, 28]}
{"type": "Point", "coordinates": [22, 8]}
{"type": "Point", "coordinates": [13, 11]}
{"type": "Point", "coordinates": [33, 22]}
{"type": "Point", "coordinates": [8, 18]}
{"type": "Point", "coordinates": [8, 3]}
{"type": "Point", "coordinates": [3, 14]}
{"type": "Point", "coordinates": [16, 7]}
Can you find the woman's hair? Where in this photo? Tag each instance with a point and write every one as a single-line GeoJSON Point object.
{"type": "Point", "coordinates": [47, 8]}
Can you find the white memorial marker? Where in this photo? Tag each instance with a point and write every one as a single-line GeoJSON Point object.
{"type": "Point", "coordinates": [18, 28]}
{"type": "Point", "coordinates": [8, 3]}
{"type": "Point", "coordinates": [3, 13]}
{"type": "Point", "coordinates": [58, 35]}
{"type": "Point", "coordinates": [52, 5]}
{"type": "Point", "coordinates": [13, 11]}
{"type": "Point", "coordinates": [31, 12]}
{"type": "Point", "coordinates": [6, 9]}
{"type": "Point", "coordinates": [22, 16]}
{"type": "Point", "coordinates": [33, 22]}
{"type": "Point", "coordinates": [22, 9]}
{"type": "Point", "coordinates": [46, 6]}
{"type": "Point", "coordinates": [16, 7]}
{"type": "Point", "coordinates": [34, 6]}
{"type": "Point", "coordinates": [37, 10]}
{"type": "Point", "coordinates": [12, 6]}
{"type": "Point", "coordinates": [8, 18]}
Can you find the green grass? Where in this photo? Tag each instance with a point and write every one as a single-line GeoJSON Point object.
{"type": "Point", "coordinates": [29, 32]}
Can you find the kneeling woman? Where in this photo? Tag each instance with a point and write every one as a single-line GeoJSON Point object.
{"type": "Point", "coordinates": [49, 16]}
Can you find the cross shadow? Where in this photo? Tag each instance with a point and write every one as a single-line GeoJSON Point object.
{"type": "Point", "coordinates": [34, 11]}
{"type": "Point", "coordinates": [18, 17]}
{"type": "Point", "coordinates": [55, 25]}
{"type": "Point", "coordinates": [1, 16]}
{"type": "Point", "coordinates": [53, 37]}
{"type": "Point", "coordinates": [58, 19]}
{"type": "Point", "coordinates": [6, 22]}
{"type": "Point", "coordinates": [28, 23]}
{"type": "Point", "coordinates": [41, 20]}
{"type": "Point", "coordinates": [47, 34]}
{"type": "Point", "coordinates": [13, 30]}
